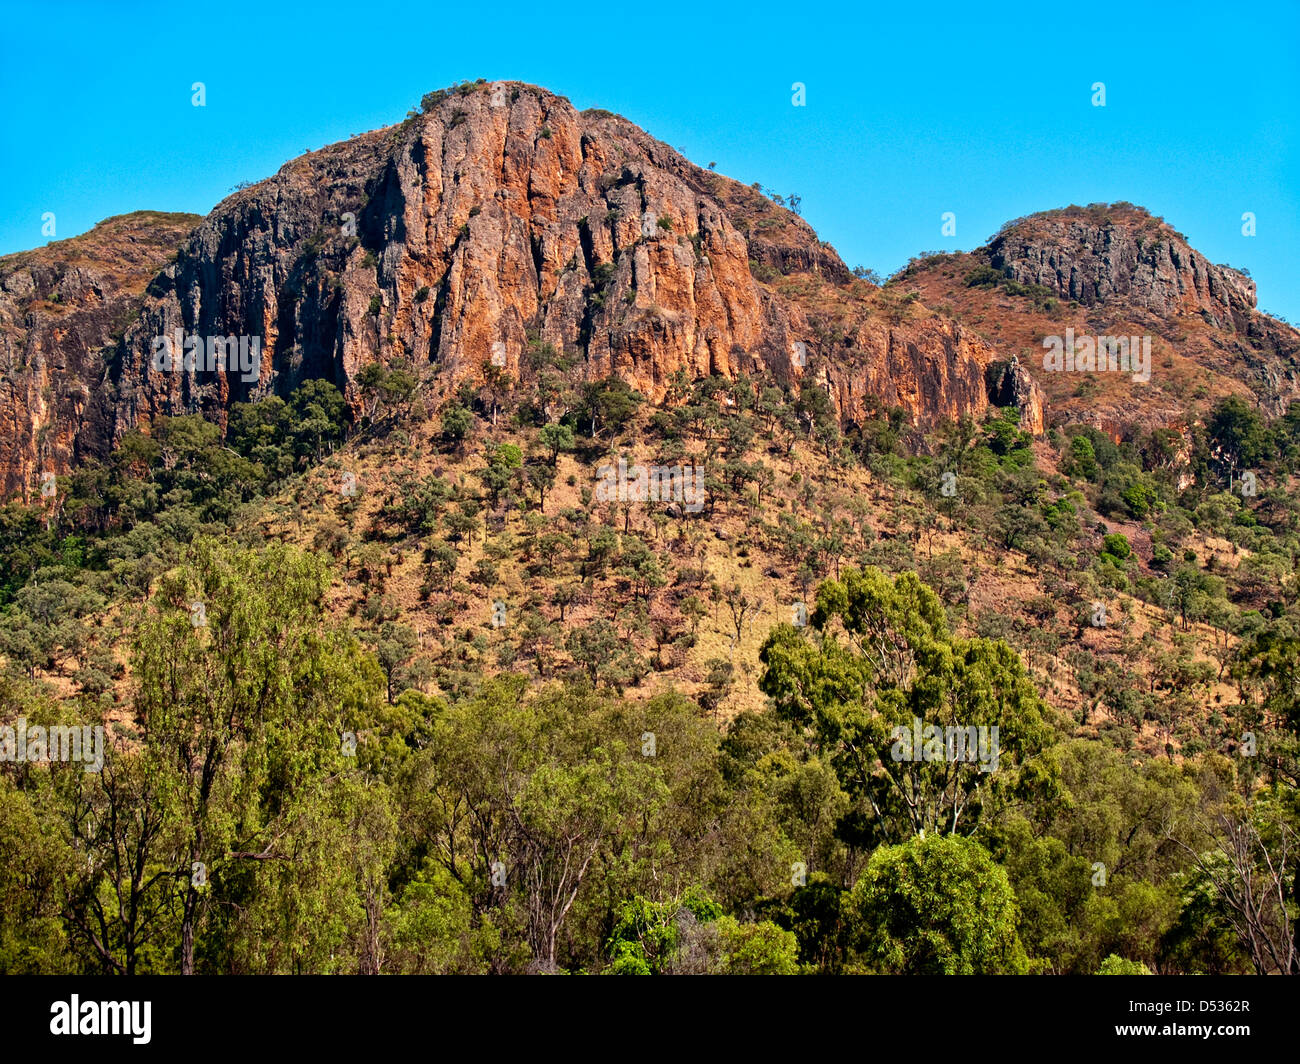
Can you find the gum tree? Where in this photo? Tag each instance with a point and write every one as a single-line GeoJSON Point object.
{"type": "Point", "coordinates": [876, 658]}
{"type": "Point", "coordinates": [242, 712]}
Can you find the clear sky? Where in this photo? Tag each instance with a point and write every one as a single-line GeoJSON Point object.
{"type": "Point", "coordinates": [912, 109]}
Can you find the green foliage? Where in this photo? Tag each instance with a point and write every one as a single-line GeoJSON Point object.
{"type": "Point", "coordinates": [556, 438]}
{"type": "Point", "coordinates": [985, 277]}
{"type": "Point", "coordinates": [423, 792]}
{"type": "Point", "coordinates": [897, 663]}
{"type": "Point", "coordinates": [1238, 434]}
{"type": "Point", "coordinates": [284, 437]}
{"type": "Point", "coordinates": [646, 933]}
{"type": "Point", "coordinates": [456, 423]}
{"type": "Point", "coordinates": [1083, 460]}
{"type": "Point", "coordinates": [1114, 965]}
{"type": "Point", "coordinates": [503, 464]}
{"type": "Point", "coordinates": [1115, 548]}
{"type": "Point", "coordinates": [936, 905]}
{"type": "Point", "coordinates": [606, 405]}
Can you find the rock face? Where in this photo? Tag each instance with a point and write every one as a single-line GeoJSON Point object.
{"type": "Point", "coordinates": [63, 308]}
{"type": "Point", "coordinates": [500, 218]}
{"type": "Point", "coordinates": [502, 214]}
{"type": "Point", "coordinates": [1124, 256]}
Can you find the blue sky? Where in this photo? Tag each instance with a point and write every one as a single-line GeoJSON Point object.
{"type": "Point", "coordinates": [912, 109]}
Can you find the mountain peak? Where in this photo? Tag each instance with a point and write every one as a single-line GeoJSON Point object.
{"type": "Point", "coordinates": [1117, 269]}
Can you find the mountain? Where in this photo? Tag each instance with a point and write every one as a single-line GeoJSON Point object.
{"type": "Point", "coordinates": [499, 219]}
{"type": "Point", "coordinates": [451, 636]}
{"type": "Point", "coordinates": [497, 216]}
{"type": "Point", "coordinates": [1115, 269]}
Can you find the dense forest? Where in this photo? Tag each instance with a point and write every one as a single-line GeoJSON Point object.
{"type": "Point", "coordinates": [410, 698]}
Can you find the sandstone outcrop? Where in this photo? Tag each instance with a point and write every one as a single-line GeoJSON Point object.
{"type": "Point", "coordinates": [498, 218]}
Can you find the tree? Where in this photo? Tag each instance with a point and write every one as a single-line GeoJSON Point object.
{"type": "Point", "coordinates": [1193, 593]}
{"type": "Point", "coordinates": [555, 438]}
{"type": "Point", "coordinates": [1116, 965]}
{"type": "Point", "coordinates": [639, 565]}
{"type": "Point", "coordinates": [542, 477]}
{"type": "Point", "coordinates": [742, 608]}
{"type": "Point", "coordinates": [1252, 870]}
{"type": "Point", "coordinates": [370, 382]}
{"type": "Point", "coordinates": [241, 711]}
{"type": "Point", "coordinates": [876, 669]}
{"type": "Point", "coordinates": [503, 464]}
{"type": "Point", "coordinates": [432, 928]}
{"type": "Point", "coordinates": [690, 935]}
{"type": "Point", "coordinates": [1237, 434]}
{"type": "Point", "coordinates": [497, 385]}
{"type": "Point", "coordinates": [647, 934]}
{"type": "Point", "coordinates": [607, 404]}
{"type": "Point", "coordinates": [1083, 460]}
{"type": "Point", "coordinates": [395, 645]}
{"type": "Point", "coordinates": [456, 423]}
{"type": "Point", "coordinates": [936, 905]}
{"type": "Point", "coordinates": [603, 654]}
{"type": "Point", "coordinates": [46, 622]}
{"type": "Point", "coordinates": [37, 874]}
{"type": "Point", "coordinates": [532, 791]}
{"type": "Point", "coordinates": [121, 904]}
{"type": "Point", "coordinates": [400, 386]}
{"type": "Point", "coordinates": [319, 410]}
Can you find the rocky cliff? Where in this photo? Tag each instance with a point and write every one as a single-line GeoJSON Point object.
{"type": "Point", "coordinates": [499, 214]}
{"type": "Point", "coordinates": [496, 217]}
{"type": "Point", "coordinates": [1122, 256]}
{"type": "Point", "coordinates": [63, 310]}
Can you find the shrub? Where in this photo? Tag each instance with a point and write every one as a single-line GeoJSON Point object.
{"type": "Point", "coordinates": [984, 277]}
{"type": "Point", "coordinates": [1117, 545]}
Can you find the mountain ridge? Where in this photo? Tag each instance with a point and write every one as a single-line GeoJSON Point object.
{"type": "Point", "coordinates": [499, 218]}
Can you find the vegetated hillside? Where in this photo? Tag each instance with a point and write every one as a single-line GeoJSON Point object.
{"type": "Point", "coordinates": [1160, 714]}
{"type": "Point", "coordinates": [63, 307]}
{"type": "Point", "coordinates": [667, 597]}
{"type": "Point", "coordinates": [1115, 270]}
{"type": "Point", "coordinates": [392, 684]}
